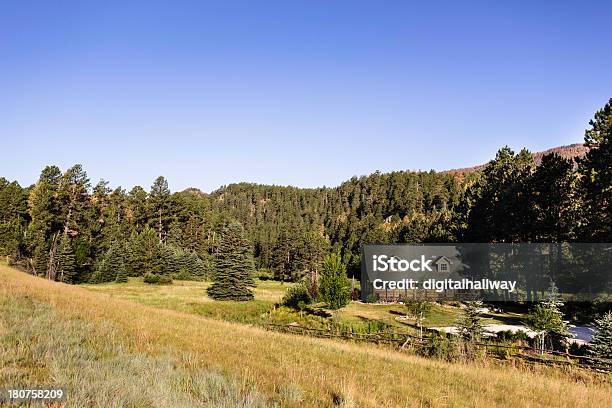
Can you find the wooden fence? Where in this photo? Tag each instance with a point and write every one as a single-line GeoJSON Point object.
{"type": "Point", "coordinates": [401, 340]}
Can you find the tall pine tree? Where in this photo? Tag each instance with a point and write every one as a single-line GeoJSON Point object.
{"type": "Point", "coordinates": [596, 172]}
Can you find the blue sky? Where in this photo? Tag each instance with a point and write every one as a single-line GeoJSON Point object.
{"type": "Point", "coordinates": [305, 93]}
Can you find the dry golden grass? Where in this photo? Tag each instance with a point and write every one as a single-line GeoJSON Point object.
{"type": "Point", "coordinates": [315, 370]}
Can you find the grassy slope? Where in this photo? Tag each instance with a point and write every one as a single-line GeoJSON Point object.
{"type": "Point", "coordinates": [313, 369]}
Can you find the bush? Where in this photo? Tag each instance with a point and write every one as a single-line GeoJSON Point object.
{"type": "Point", "coordinates": [297, 297]}
{"type": "Point", "coordinates": [264, 275]}
{"type": "Point", "coordinates": [510, 336]}
{"type": "Point", "coordinates": [164, 280]}
{"type": "Point", "coordinates": [154, 279]}
{"type": "Point", "coordinates": [151, 278]}
{"type": "Point", "coordinates": [440, 346]}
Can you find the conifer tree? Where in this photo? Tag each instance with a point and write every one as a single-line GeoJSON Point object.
{"type": "Point", "coordinates": [601, 344]}
{"type": "Point", "coordinates": [119, 264]}
{"type": "Point", "coordinates": [112, 267]}
{"type": "Point", "coordinates": [144, 251]}
{"type": "Point", "coordinates": [233, 266]}
{"type": "Point", "coordinates": [553, 206]}
{"type": "Point", "coordinates": [596, 177]}
{"type": "Point", "coordinates": [66, 266]}
{"type": "Point", "coordinates": [159, 201]}
{"type": "Point", "coordinates": [43, 208]}
{"type": "Point", "coordinates": [547, 319]}
{"type": "Point", "coordinates": [469, 325]}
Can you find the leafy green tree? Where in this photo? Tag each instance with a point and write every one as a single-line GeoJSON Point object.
{"type": "Point", "coordinates": [334, 286]}
{"type": "Point", "coordinates": [596, 178]}
{"type": "Point", "coordinates": [601, 344]}
{"type": "Point", "coordinates": [233, 266]}
{"type": "Point", "coordinates": [419, 309]}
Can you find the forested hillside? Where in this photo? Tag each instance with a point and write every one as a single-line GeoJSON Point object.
{"type": "Point", "coordinates": [573, 151]}
{"type": "Point", "coordinates": [67, 229]}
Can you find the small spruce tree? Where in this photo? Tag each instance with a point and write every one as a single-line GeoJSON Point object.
{"type": "Point", "coordinates": [547, 319]}
{"type": "Point", "coordinates": [66, 265]}
{"type": "Point", "coordinates": [112, 267]}
{"type": "Point", "coordinates": [234, 266]}
{"type": "Point", "coordinates": [601, 345]}
{"type": "Point", "coordinates": [469, 325]}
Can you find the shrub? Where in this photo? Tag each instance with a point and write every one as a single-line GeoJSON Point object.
{"type": "Point", "coordinates": [264, 275]}
{"type": "Point", "coordinates": [184, 275]}
{"type": "Point", "coordinates": [297, 297]}
{"type": "Point", "coordinates": [154, 279]}
{"type": "Point", "coordinates": [509, 335]}
{"type": "Point", "coordinates": [151, 278]}
{"type": "Point", "coordinates": [440, 346]}
{"type": "Point", "coordinates": [164, 280]}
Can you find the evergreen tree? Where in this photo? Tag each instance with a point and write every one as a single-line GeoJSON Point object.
{"type": "Point", "coordinates": [13, 218]}
{"type": "Point", "coordinates": [469, 325]}
{"type": "Point", "coordinates": [43, 207]}
{"type": "Point", "coordinates": [553, 208]}
{"type": "Point", "coordinates": [500, 204]}
{"type": "Point", "coordinates": [233, 266]}
{"type": "Point", "coordinates": [601, 344]}
{"type": "Point", "coordinates": [144, 251]}
{"type": "Point", "coordinates": [334, 286]}
{"type": "Point", "coordinates": [112, 267]}
{"type": "Point", "coordinates": [596, 180]}
{"type": "Point", "coordinates": [136, 213]}
{"type": "Point", "coordinates": [66, 268]}
{"type": "Point", "coordinates": [547, 319]}
{"type": "Point", "coordinates": [159, 201]}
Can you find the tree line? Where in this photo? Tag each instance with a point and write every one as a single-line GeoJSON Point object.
{"type": "Point", "coordinates": [64, 228]}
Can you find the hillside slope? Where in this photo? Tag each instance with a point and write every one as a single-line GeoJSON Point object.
{"type": "Point", "coordinates": [259, 364]}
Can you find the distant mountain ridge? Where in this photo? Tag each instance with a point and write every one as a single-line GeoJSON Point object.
{"type": "Point", "coordinates": [571, 151]}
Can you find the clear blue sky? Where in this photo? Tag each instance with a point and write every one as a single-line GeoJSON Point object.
{"type": "Point", "coordinates": [303, 93]}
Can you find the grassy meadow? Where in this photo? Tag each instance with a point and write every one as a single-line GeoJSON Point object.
{"type": "Point", "coordinates": [190, 297]}
{"type": "Point", "coordinates": [111, 351]}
